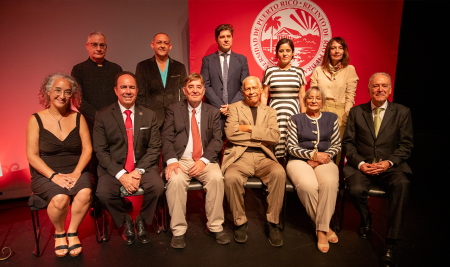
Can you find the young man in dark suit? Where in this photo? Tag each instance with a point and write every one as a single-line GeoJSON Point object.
{"type": "Point", "coordinates": [192, 140]}
{"type": "Point", "coordinates": [160, 78]}
{"type": "Point", "coordinates": [224, 72]}
{"type": "Point", "coordinates": [127, 144]}
{"type": "Point", "coordinates": [377, 142]}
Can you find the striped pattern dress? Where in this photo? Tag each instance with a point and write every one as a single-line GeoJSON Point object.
{"type": "Point", "coordinates": [284, 86]}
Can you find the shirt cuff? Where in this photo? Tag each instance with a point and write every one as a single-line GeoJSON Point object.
{"type": "Point", "coordinates": [359, 165]}
{"type": "Point", "coordinates": [205, 160]}
{"type": "Point", "coordinates": [390, 162]}
{"type": "Point", "coordinates": [119, 174]}
{"type": "Point", "coordinates": [172, 160]}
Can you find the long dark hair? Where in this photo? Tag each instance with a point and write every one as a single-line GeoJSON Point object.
{"type": "Point", "coordinates": [345, 58]}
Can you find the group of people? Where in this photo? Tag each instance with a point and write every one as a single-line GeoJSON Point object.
{"type": "Point", "coordinates": [129, 120]}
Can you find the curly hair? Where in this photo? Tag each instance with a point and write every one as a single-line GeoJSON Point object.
{"type": "Point", "coordinates": [47, 85]}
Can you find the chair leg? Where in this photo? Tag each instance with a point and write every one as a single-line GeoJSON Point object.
{"type": "Point", "coordinates": [37, 233]}
{"type": "Point", "coordinates": [105, 227]}
{"type": "Point", "coordinates": [340, 220]}
{"type": "Point", "coordinates": [165, 216]}
{"type": "Point", "coordinates": [283, 213]}
{"type": "Point", "coordinates": [98, 228]}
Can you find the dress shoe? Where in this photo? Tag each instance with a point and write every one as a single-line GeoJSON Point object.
{"type": "Point", "coordinates": [240, 234]}
{"type": "Point", "coordinates": [178, 241]}
{"type": "Point", "coordinates": [365, 229]}
{"type": "Point", "coordinates": [128, 235]}
{"type": "Point", "coordinates": [141, 230]}
{"type": "Point", "coordinates": [221, 237]}
{"type": "Point", "coordinates": [389, 258]}
{"type": "Point", "coordinates": [274, 234]}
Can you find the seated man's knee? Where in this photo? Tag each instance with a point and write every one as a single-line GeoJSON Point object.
{"type": "Point", "coordinates": [401, 180]}
{"type": "Point", "coordinates": [232, 178]}
{"type": "Point", "coordinates": [355, 187]}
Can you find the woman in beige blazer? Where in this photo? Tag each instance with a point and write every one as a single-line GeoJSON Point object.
{"type": "Point", "coordinates": [338, 80]}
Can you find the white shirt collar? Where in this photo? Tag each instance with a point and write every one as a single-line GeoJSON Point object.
{"type": "Point", "coordinates": [198, 109]}
{"type": "Point", "coordinates": [122, 108]}
{"type": "Point", "coordinates": [382, 106]}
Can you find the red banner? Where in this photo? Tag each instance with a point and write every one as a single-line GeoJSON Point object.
{"type": "Point", "coordinates": [370, 28]}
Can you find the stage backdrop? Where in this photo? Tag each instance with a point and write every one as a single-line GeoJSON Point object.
{"type": "Point", "coordinates": [46, 36]}
{"type": "Point", "coordinates": [371, 29]}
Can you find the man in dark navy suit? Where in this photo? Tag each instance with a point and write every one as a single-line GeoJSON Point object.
{"type": "Point", "coordinates": [377, 142]}
{"type": "Point", "coordinates": [223, 72]}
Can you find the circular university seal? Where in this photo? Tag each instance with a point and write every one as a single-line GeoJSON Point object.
{"type": "Point", "coordinates": [304, 22]}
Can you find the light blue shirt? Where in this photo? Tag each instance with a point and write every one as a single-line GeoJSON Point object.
{"type": "Point", "coordinates": [164, 74]}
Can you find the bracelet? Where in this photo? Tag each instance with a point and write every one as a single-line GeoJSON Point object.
{"type": "Point", "coordinates": [53, 175]}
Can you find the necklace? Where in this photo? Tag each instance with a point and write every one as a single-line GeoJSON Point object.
{"type": "Point", "coordinates": [57, 119]}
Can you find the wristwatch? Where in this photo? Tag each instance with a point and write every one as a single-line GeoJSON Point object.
{"type": "Point", "coordinates": [140, 171]}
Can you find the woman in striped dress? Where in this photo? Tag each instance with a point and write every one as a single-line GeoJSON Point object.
{"type": "Point", "coordinates": [286, 85]}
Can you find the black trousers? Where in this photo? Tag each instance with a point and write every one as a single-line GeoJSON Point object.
{"type": "Point", "coordinates": [396, 185]}
{"type": "Point", "coordinates": [108, 192]}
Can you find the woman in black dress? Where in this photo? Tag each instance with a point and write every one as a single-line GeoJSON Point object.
{"type": "Point", "coordinates": [58, 150]}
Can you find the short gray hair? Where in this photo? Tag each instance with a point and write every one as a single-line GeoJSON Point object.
{"type": "Point", "coordinates": [48, 83]}
{"type": "Point", "coordinates": [96, 33]}
{"type": "Point", "coordinates": [312, 88]}
{"type": "Point", "coordinates": [254, 77]}
{"type": "Point", "coordinates": [379, 73]}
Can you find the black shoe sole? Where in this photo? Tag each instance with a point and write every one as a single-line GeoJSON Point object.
{"type": "Point", "coordinates": [129, 243]}
{"type": "Point", "coordinates": [143, 242]}
{"type": "Point", "coordinates": [211, 234]}
{"type": "Point", "coordinates": [179, 247]}
{"type": "Point", "coordinates": [274, 244]}
{"type": "Point", "coordinates": [239, 241]}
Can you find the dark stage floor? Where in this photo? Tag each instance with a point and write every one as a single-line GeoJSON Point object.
{"type": "Point", "coordinates": [299, 247]}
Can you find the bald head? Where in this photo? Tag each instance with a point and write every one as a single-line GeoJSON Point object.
{"type": "Point", "coordinates": [251, 89]}
{"type": "Point", "coordinates": [161, 45]}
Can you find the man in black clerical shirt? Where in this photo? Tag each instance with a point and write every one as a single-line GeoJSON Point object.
{"type": "Point", "coordinates": [96, 78]}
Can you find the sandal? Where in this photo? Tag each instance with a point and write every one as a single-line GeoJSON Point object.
{"type": "Point", "coordinates": [321, 246]}
{"type": "Point", "coordinates": [61, 246]}
{"type": "Point", "coordinates": [73, 247]}
{"type": "Point", "coordinates": [330, 238]}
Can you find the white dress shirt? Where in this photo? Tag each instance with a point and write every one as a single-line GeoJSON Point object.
{"type": "Point", "coordinates": [222, 58]}
{"type": "Point", "coordinates": [190, 145]}
{"type": "Point", "coordinates": [122, 110]}
{"type": "Point", "coordinates": [374, 113]}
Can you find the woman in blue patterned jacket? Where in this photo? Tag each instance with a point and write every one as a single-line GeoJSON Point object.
{"type": "Point", "coordinates": [313, 140]}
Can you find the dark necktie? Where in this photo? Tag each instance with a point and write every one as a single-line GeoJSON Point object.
{"type": "Point", "coordinates": [225, 79]}
{"type": "Point", "coordinates": [129, 164]}
{"type": "Point", "coordinates": [197, 142]}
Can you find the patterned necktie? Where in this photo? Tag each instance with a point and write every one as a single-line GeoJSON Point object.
{"type": "Point", "coordinates": [129, 164]}
{"type": "Point", "coordinates": [197, 142]}
{"type": "Point", "coordinates": [377, 120]}
{"type": "Point", "coordinates": [225, 79]}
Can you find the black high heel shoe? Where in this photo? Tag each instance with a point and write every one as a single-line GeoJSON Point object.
{"type": "Point", "coordinates": [73, 247]}
{"type": "Point", "coordinates": [61, 246]}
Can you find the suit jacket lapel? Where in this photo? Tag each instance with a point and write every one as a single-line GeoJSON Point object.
{"type": "Point", "coordinates": [204, 125]}
{"type": "Point", "coordinates": [156, 71]}
{"type": "Point", "coordinates": [247, 112]}
{"type": "Point", "coordinates": [233, 65]}
{"type": "Point", "coordinates": [119, 119]}
{"type": "Point", "coordinates": [367, 113]}
{"type": "Point", "coordinates": [137, 124]}
{"type": "Point", "coordinates": [217, 65]}
{"type": "Point", "coordinates": [261, 114]}
{"type": "Point", "coordinates": [185, 113]}
{"type": "Point", "coordinates": [387, 117]}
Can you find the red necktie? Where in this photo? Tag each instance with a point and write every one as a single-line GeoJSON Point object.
{"type": "Point", "coordinates": [129, 164]}
{"type": "Point", "coordinates": [197, 147]}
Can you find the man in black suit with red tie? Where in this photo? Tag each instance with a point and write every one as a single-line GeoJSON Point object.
{"type": "Point", "coordinates": [127, 144]}
{"type": "Point", "coordinates": [377, 142]}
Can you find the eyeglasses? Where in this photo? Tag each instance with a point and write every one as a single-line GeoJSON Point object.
{"type": "Point", "coordinates": [67, 93]}
{"type": "Point", "coordinates": [95, 45]}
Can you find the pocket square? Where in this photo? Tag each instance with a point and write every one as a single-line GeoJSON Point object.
{"type": "Point", "coordinates": [144, 128]}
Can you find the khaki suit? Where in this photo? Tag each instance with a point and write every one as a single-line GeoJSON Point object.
{"type": "Point", "coordinates": [238, 164]}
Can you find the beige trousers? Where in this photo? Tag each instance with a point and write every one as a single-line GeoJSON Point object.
{"type": "Point", "coordinates": [271, 174]}
{"type": "Point", "coordinates": [316, 188]}
{"type": "Point", "coordinates": [177, 187]}
{"type": "Point", "coordinates": [338, 109]}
